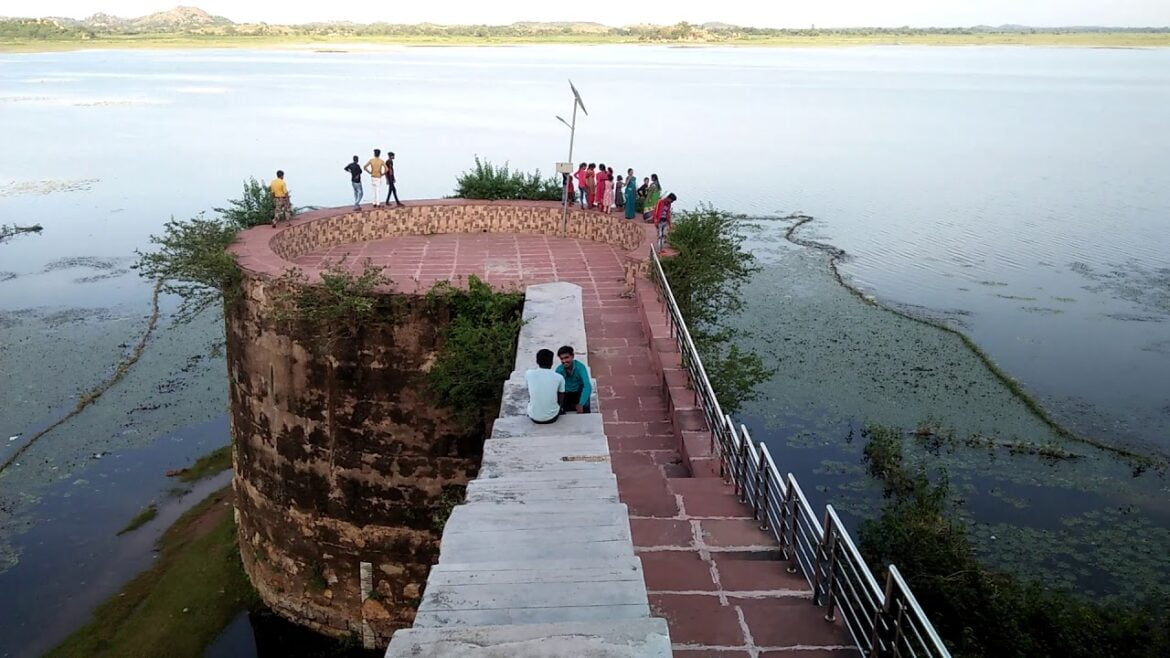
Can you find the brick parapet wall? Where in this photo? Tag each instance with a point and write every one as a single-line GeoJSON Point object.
{"type": "Point", "coordinates": [264, 251]}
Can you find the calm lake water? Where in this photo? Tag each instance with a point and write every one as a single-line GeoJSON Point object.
{"type": "Point", "coordinates": [1017, 194]}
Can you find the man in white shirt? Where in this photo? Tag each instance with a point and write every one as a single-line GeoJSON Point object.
{"type": "Point", "coordinates": [546, 390]}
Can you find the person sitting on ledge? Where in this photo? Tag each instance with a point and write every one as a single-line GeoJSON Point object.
{"type": "Point", "coordinates": [546, 390]}
{"type": "Point", "coordinates": [578, 389]}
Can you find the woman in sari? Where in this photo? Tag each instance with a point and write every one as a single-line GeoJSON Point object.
{"type": "Point", "coordinates": [631, 192]}
{"type": "Point", "coordinates": [653, 192]}
{"type": "Point", "coordinates": [600, 181]}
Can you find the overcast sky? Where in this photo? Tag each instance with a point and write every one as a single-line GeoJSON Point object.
{"type": "Point", "coordinates": [765, 13]}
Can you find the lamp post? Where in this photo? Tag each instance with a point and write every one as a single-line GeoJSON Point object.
{"type": "Point", "coordinates": [572, 136]}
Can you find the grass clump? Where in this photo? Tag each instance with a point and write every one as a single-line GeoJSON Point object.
{"type": "Point", "coordinates": [978, 611]}
{"type": "Point", "coordinates": [144, 516]}
{"type": "Point", "coordinates": [488, 181]}
{"type": "Point", "coordinates": [208, 465]}
{"type": "Point", "coordinates": [477, 349]}
{"type": "Point", "coordinates": [705, 275]}
{"type": "Point", "coordinates": [192, 590]}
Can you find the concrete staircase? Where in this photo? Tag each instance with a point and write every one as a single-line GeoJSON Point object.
{"type": "Point", "coordinates": [539, 560]}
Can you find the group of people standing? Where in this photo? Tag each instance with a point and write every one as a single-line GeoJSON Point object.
{"type": "Point", "coordinates": [597, 188]}
{"type": "Point", "coordinates": [379, 170]}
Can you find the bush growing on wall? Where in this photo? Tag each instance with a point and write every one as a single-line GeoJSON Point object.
{"type": "Point", "coordinates": [477, 349]}
{"type": "Point", "coordinates": [488, 181]}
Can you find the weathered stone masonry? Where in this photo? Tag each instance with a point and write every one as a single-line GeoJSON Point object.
{"type": "Point", "coordinates": [340, 459]}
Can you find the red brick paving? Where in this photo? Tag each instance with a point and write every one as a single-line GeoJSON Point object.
{"type": "Point", "coordinates": [710, 571]}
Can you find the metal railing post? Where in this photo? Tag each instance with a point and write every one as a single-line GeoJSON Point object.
{"type": "Point", "coordinates": [759, 490]}
{"type": "Point", "coordinates": [742, 468]}
{"type": "Point", "coordinates": [824, 554]}
{"type": "Point", "coordinates": [793, 519]}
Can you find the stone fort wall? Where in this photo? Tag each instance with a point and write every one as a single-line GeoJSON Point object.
{"type": "Point", "coordinates": [341, 459]}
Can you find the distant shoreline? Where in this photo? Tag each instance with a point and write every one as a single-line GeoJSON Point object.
{"type": "Point", "coordinates": [1121, 40]}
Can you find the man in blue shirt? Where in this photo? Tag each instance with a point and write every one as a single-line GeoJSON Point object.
{"type": "Point", "coordinates": [578, 389]}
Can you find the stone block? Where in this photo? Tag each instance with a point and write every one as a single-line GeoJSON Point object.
{"type": "Point", "coordinates": [539, 591]}
{"type": "Point", "coordinates": [515, 400]}
{"type": "Point", "coordinates": [553, 316]}
{"type": "Point", "coordinates": [635, 638]}
{"type": "Point", "coordinates": [521, 426]}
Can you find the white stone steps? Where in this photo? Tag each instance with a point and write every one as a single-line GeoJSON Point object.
{"type": "Point", "coordinates": [569, 454]}
{"type": "Point", "coordinates": [494, 532]}
{"type": "Point", "coordinates": [510, 427]}
{"type": "Point", "coordinates": [635, 638]}
{"type": "Point", "coordinates": [553, 316]}
{"type": "Point", "coordinates": [515, 400]}
{"type": "Point", "coordinates": [599, 488]}
{"type": "Point", "coordinates": [541, 591]}
{"type": "Point", "coordinates": [539, 561]}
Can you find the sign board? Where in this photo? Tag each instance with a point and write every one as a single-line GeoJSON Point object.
{"type": "Point", "coordinates": [564, 167]}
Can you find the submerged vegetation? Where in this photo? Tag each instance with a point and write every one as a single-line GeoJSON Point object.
{"type": "Point", "coordinates": [192, 590]}
{"type": "Point", "coordinates": [144, 516]}
{"type": "Point", "coordinates": [981, 612]}
{"type": "Point", "coordinates": [488, 181]}
{"type": "Point", "coordinates": [208, 465]}
{"type": "Point", "coordinates": [1138, 461]}
{"type": "Point", "coordinates": [706, 274]}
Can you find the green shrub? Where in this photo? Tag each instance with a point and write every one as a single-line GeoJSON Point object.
{"type": "Point", "coordinates": [477, 349]}
{"type": "Point", "coordinates": [192, 259]}
{"type": "Point", "coordinates": [334, 309]}
{"type": "Point", "coordinates": [254, 208]}
{"type": "Point", "coordinates": [705, 275]}
{"type": "Point", "coordinates": [488, 181]}
{"type": "Point", "coordinates": [978, 611]}
{"type": "Point", "coordinates": [192, 262]}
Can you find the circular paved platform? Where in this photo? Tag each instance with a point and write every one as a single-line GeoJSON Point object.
{"type": "Point", "coordinates": [501, 259]}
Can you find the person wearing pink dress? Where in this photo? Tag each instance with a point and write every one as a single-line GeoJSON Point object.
{"type": "Point", "coordinates": [607, 197]}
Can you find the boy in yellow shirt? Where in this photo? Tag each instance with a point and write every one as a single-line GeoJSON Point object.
{"type": "Point", "coordinates": [279, 189]}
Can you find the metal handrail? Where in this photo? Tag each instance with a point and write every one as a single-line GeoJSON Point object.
{"type": "Point", "coordinates": [882, 621]}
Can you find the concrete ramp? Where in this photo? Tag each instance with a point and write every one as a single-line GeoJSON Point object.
{"type": "Point", "coordinates": [539, 560]}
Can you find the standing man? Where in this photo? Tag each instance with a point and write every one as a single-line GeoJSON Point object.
{"type": "Point", "coordinates": [376, 168]}
{"type": "Point", "coordinates": [391, 189]}
{"type": "Point", "coordinates": [662, 219]}
{"type": "Point", "coordinates": [282, 209]}
{"type": "Point", "coordinates": [581, 186]}
{"type": "Point", "coordinates": [355, 175]}
{"type": "Point", "coordinates": [546, 390]}
{"type": "Point", "coordinates": [578, 388]}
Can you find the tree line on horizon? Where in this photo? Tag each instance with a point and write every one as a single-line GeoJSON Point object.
{"type": "Point", "coordinates": [201, 24]}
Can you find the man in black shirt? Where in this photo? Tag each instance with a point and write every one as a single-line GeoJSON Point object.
{"type": "Point", "coordinates": [355, 174]}
{"type": "Point", "coordinates": [391, 189]}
